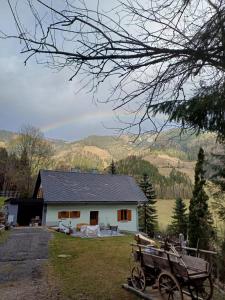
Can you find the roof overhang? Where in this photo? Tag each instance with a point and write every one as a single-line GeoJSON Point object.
{"type": "Point", "coordinates": [91, 202]}
{"type": "Point", "coordinates": [24, 201]}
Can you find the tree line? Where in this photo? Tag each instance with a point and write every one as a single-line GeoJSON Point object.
{"type": "Point", "coordinates": [20, 164]}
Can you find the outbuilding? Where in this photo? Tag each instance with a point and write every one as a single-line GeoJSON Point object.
{"type": "Point", "coordinates": [21, 211]}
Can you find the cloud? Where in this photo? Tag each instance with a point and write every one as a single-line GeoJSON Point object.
{"type": "Point", "coordinates": [44, 98]}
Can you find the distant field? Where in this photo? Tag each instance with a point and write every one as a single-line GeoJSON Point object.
{"type": "Point", "coordinates": [165, 211]}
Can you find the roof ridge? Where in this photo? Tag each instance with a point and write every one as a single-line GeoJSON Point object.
{"type": "Point", "coordinates": [68, 172]}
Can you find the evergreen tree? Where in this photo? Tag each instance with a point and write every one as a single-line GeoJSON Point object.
{"type": "Point", "coordinates": [180, 218]}
{"type": "Point", "coordinates": [218, 166]}
{"type": "Point", "coordinates": [112, 168]}
{"type": "Point", "coordinates": [200, 220]}
{"type": "Point", "coordinates": [147, 212]}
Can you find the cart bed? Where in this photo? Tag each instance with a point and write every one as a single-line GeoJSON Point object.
{"type": "Point", "coordinates": [185, 266]}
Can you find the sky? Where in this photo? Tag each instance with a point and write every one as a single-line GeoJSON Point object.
{"type": "Point", "coordinates": [36, 95]}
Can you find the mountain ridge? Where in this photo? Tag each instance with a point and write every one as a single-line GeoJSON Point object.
{"type": "Point", "coordinates": [169, 151]}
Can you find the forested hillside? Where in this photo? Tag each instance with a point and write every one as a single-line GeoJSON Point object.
{"type": "Point", "coordinates": [169, 160]}
{"type": "Point", "coordinates": [175, 185]}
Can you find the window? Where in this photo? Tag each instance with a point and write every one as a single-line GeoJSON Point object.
{"type": "Point", "coordinates": [124, 215]}
{"type": "Point", "coordinates": [63, 214]}
{"type": "Point", "coordinates": [74, 214]}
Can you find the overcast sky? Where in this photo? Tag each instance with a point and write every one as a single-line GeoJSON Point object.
{"type": "Point", "coordinates": [41, 97]}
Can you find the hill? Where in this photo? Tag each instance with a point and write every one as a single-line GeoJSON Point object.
{"type": "Point", "coordinates": [168, 152]}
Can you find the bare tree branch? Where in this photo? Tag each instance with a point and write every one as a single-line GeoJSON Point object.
{"type": "Point", "coordinates": [163, 56]}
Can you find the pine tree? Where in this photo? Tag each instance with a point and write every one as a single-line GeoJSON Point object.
{"type": "Point", "coordinates": [200, 221]}
{"type": "Point", "coordinates": [180, 218]}
{"type": "Point", "coordinates": [218, 165]}
{"type": "Point", "coordinates": [112, 168]}
{"type": "Point", "coordinates": [147, 212]}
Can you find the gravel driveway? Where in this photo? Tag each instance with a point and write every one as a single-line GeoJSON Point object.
{"type": "Point", "coordinates": [23, 259]}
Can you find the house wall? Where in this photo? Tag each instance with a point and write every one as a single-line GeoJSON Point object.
{"type": "Point", "coordinates": [107, 215]}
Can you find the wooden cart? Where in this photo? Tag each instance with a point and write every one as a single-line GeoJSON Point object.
{"type": "Point", "coordinates": [174, 274]}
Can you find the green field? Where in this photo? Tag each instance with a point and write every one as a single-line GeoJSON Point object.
{"type": "Point", "coordinates": [165, 211]}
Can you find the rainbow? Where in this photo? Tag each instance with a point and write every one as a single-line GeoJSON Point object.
{"type": "Point", "coordinates": [86, 117]}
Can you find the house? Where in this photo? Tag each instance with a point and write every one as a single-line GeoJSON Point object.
{"type": "Point", "coordinates": [89, 198]}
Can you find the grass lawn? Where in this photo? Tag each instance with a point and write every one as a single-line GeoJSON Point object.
{"type": "Point", "coordinates": [96, 269]}
{"type": "Point", "coordinates": [3, 236]}
{"type": "Point", "coordinates": [2, 199]}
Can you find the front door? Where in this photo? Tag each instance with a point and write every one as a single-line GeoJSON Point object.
{"type": "Point", "coordinates": [94, 218]}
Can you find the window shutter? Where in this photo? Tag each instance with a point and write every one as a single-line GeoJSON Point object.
{"type": "Point", "coordinates": [63, 214]}
{"type": "Point", "coordinates": [74, 214]}
{"type": "Point", "coordinates": [119, 215]}
{"type": "Point", "coordinates": [128, 215]}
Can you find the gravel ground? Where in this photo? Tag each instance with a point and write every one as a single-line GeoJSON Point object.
{"type": "Point", "coordinates": [23, 271]}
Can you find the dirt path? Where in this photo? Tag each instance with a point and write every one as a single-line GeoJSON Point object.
{"type": "Point", "coordinates": [23, 259]}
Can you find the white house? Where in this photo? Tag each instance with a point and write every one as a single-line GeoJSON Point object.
{"type": "Point", "coordinates": [89, 198]}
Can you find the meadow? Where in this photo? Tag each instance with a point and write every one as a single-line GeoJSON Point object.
{"type": "Point", "coordinates": [165, 211]}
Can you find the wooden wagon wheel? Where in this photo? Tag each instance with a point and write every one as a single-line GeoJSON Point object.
{"type": "Point", "coordinates": [169, 287]}
{"type": "Point", "coordinates": [201, 289]}
{"type": "Point", "coordinates": [138, 278]}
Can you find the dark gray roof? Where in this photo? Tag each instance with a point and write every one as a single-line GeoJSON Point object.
{"type": "Point", "coordinates": [70, 187]}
